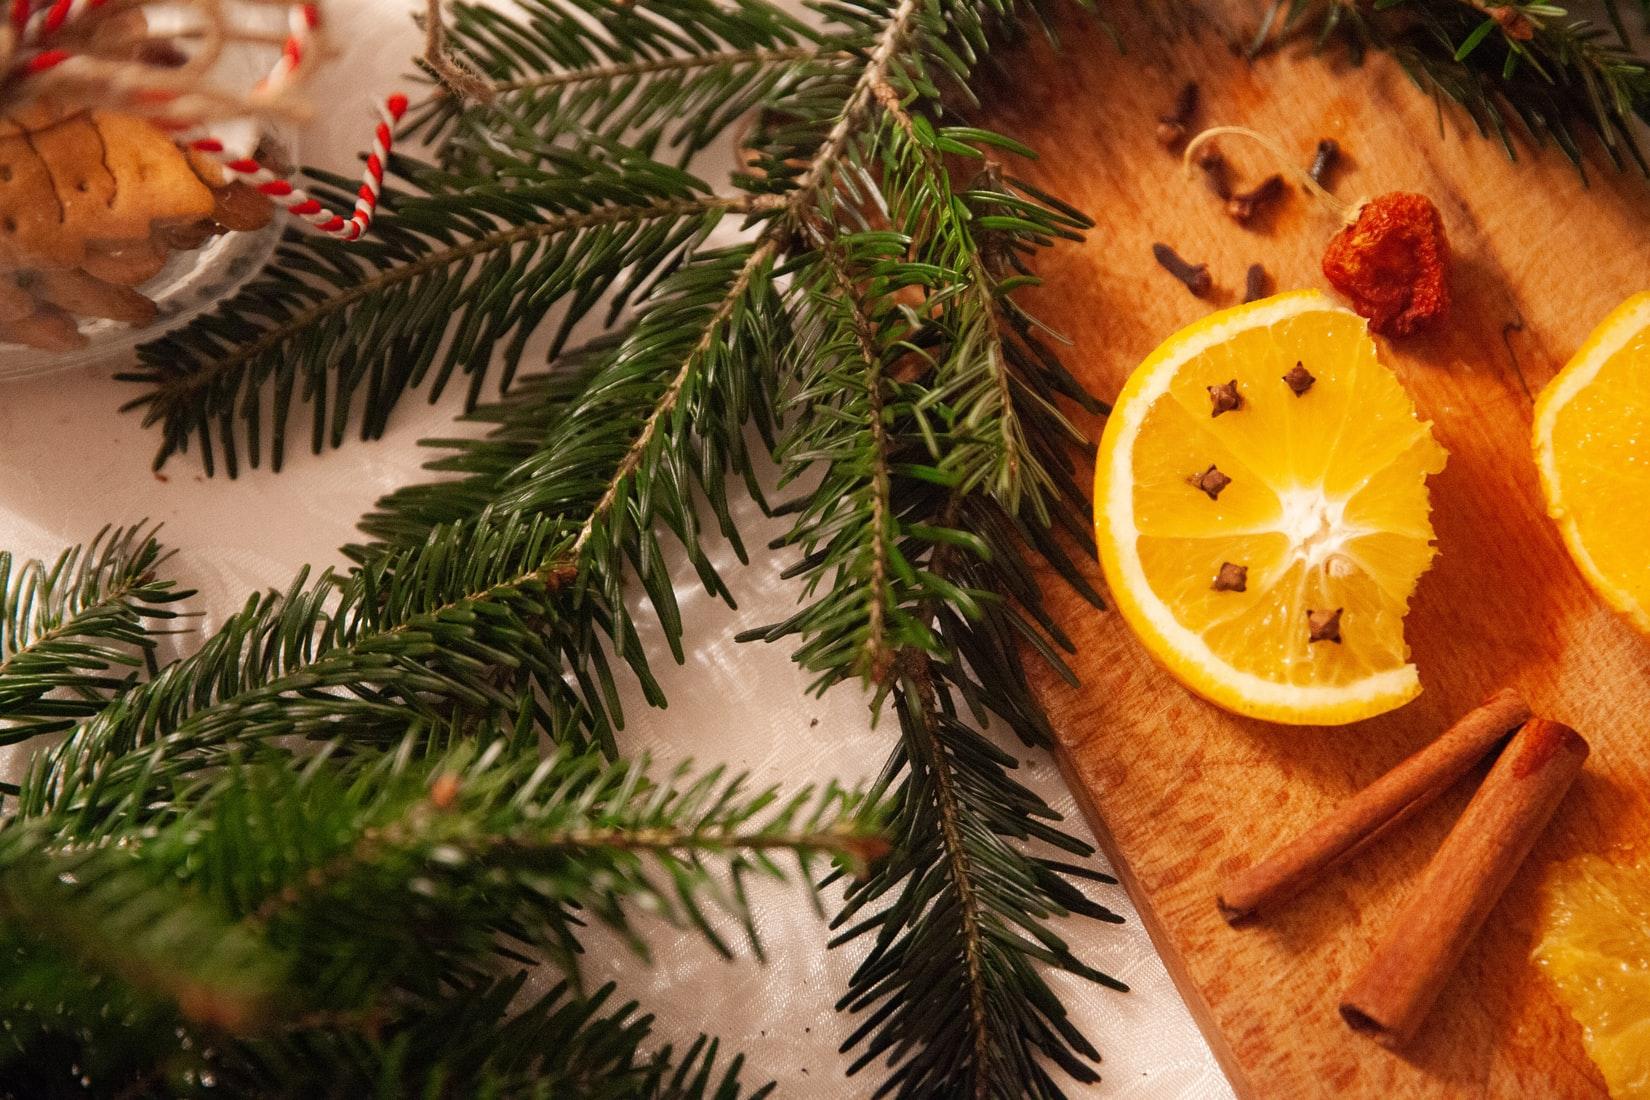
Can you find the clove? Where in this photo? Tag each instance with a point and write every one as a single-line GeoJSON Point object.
{"type": "Point", "coordinates": [1243, 207]}
{"type": "Point", "coordinates": [1210, 482]}
{"type": "Point", "coordinates": [1299, 379]}
{"type": "Point", "coordinates": [1171, 128]}
{"type": "Point", "coordinates": [1195, 277]}
{"type": "Point", "coordinates": [1217, 174]}
{"type": "Point", "coordinates": [1324, 626]}
{"type": "Point", "coordinates": [1231, 578]}
{"type": "Point", "coordinates": [1324, 160]}
{"type": "Point", "coordinates": [1224, 398]}
{"type": "Point", "coordinates": [1255, 283]}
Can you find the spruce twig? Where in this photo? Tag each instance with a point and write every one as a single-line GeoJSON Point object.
{"type": "Point", "coordinates": [604, 74]}
{"type": "Point", "coordinates": [894, 306]}
{"type": "Point", "coordinates": [922, 356]}
{"type": "Point", "coordinates": [80, 630]}
{"type": "Point", "coordinates": [400, 876]}
{"type": "Point", "coordinates": [1512, 67]}
{"type": "Point", "coordinates": [492, 258]}
{"type": "Point", "coordinates": [454, 73]}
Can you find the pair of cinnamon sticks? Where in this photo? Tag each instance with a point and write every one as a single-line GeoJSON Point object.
{"type": "Point", "coordinates": [1397, 987]}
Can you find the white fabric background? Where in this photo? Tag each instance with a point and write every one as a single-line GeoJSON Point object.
{"type": "Point", "coordinates": [69, 463]}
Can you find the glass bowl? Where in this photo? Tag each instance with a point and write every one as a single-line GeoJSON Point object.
{"type": "Point", "coordinates": [194, 280]}
{"type": "Point", "coordinates": [190, 283]}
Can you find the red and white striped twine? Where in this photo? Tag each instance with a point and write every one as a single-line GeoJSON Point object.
{"type": "Point", "coordinates": [36, 23]}
{"type": "Point", "coordinates": [298, 202]}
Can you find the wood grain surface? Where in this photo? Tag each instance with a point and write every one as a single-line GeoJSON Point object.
{"type": "Point", "coordinates": [1181, 791]}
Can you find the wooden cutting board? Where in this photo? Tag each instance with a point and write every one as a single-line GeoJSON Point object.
{"type": "Point", "coordinates": [1181, 791]}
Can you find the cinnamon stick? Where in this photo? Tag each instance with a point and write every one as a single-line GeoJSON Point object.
{"type": "Point", "coordinates": [1407, 786]}
{"type": "Point", "coordinates": [1396, 988]}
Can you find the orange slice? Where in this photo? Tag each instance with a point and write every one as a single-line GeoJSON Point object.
{"type": "Point", "coordinates": [1596, 949]}
{"type": "Point", "coordinates": [1592, 446]}
{"type": "Point", "coordinates": [1266, 553]}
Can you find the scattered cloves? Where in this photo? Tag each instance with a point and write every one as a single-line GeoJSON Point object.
{"type": "Point", "coordinates": [1217, 174]}
{"type": "Point", "coordinates": [1195, 277]}
{"type": "Point", "coordinates": [1243, 207]}
{"type": "Point", "coordinates": [1231, 578]}
{"type": "Point", "coordinates": [1256, 283]}
{"type": "Point", "coordinates": [1210, 482]}
{"type": "Point", "coordinates": [1324, 160]}
{"type": "Point", "coordinates": [1299, 379]}
{"type": "Point", "coordinates": [1225, 398]}
{"type": "Point", "coordinates": [1171, 128]}
{"type": "Point", "coordinates": [1324, 626]}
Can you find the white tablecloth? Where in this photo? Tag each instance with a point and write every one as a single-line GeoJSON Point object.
{"type": "Point", "coordinates": [69, 463]}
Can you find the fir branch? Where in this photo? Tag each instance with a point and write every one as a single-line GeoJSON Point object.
{"type": "Point", "coordinates": [185, 387]}
{"type": "Point", "coordinates": [675, 74]}
{"type": "Point", "coordinates": [868, 379]}
{"type": "Point", "coordinates": [398, 878]}
{"type": "Point", "coordinates": [480, 1039]}
{"type": "Point", "coordinates": [932, 349]}
{"type": "Point", "coordinates": [909, 351]}
{"type": "Point", "coordinates": [959, 550]}
{"type": "Point", "coordinates": [1011, 445]}
{"type": "Point", "coordinates": [491, 259]}
{"type": "Point", "coordinates": [457, 78]}
{"type": "Point", "coordinates": [961, 872]}
{"type": "Point", "coordinates": [477, 1042]}
{"type": "Point", "coordinates": [933, 297]}
{"type": "Point", "coordinates": [554, 412]}
{"type": "Point", "coordinates": [72, 915]}
{"type": "Point", "coordinates": [602, 74]}
{"type": "Point", "coordinates": [80, 630]}
{"type": "Point", "coordinates": [1512, 67]}
{"type": "Point", "coordinates": [413, 643]}
{"type": "Point", "coordinates": [758, 258]}
{"type": "Point", "coordinates": [756, 268]}
{"type": "Point", "coordinates": [492, 615]}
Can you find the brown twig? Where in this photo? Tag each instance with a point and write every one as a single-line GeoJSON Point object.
{"type": "Point", "coordinates": [455, 74]}
{"type": "Point", "coordinates": [1513, 23]}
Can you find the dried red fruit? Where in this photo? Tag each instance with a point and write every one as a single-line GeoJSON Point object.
{"type": "Point", "coordinates": [1393, 262]}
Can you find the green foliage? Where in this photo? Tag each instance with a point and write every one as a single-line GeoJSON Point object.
{"type": "Point", "coordinates": [667, 79]}
{"type": "Point", "coordinates": [1517, 67]}
{"type": "Point", "coordinates": [866, 330]}
{"type": "Point", "coordinates": [354, 899]}
{"type": "Point", "coordinates": [929, 405]}
{"type": "Point", "coordinates": [454, 269]}
{"type": "Point", "coordinates": [468, 627]}
{"type": "Point", "coordinates": [79, 630]}
{"type": "Point", "coordinates": [478, 1041]}
{"type": "Point", "coordinates": [923, 405]}
{"type": "Point", "coordinates": [279, 917]}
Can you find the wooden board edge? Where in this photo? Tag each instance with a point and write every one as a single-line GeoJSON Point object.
{"type": "Point", "coordinates": [1202, 1014]}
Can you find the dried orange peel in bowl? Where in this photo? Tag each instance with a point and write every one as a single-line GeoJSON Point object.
{"type": "Point", "coordinates": [1262, 515]}
{"type": "Point", "coordinates": [1592, 447]}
